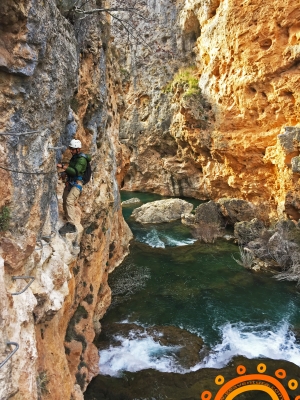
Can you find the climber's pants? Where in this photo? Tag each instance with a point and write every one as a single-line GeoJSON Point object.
{"type": "Point", "coordinates": [69, 200]}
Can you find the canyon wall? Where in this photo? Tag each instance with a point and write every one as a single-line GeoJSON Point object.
{"type": "Point", "coordinates": [209, 107]}
{"type": "Point", "coordinates": [57, 80]}
{"type": "Point", "coordinates": [238, 134]}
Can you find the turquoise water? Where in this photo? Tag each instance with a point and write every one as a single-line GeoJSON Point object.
{"type": "Point", "coordinates": [200, 288]}
{"type": "Point", "coordinates": [170, 279]}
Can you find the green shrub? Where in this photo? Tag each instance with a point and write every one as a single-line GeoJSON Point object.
{"type": "Point", "coordinates": [185, 77]}
{"type": "Point", "coordinates": [4, 218]}
{"type": "Point", "coordinates": [42, 381]}
{"type": "Point", "coordinates": [125, 75]}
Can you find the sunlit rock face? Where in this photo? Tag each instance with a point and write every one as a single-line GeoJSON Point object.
{"type": "Point", "coordinates": [55, 82]}
{"type": "Point", "coordinates": [248, 60]}
{"type": "Point", "coordinates": [226, 141]}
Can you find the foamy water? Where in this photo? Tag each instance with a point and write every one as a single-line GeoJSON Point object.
{"type": "Point", "coordinates": [136, 354]}
{"type": "Point", "coordinates": [157, 239]}
{"type": "Point", "coordinates": [278, 343]}
{"type": "Point", "coordinates": [152, 239]}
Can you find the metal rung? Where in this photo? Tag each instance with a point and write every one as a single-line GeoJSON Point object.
{"type": "Point", "coordinates": [46, 239]}
{"type": "Point", "coordinates": [28, 284]}
{"type": "Point", "coordinates": [41, 246]}
{"type": "Point", "coordinates": [10, 354]}
{"type": "Point", "coordinates": [51, 236]}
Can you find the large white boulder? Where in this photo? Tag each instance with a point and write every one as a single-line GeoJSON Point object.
{"type": "Point", "coordinates": [161, 211]}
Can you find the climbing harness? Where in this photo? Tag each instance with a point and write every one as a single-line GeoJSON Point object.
{"type": "Point", "coordinates": [73, 183]}
{"type": "Point", "coordinates": [32, 278]}
{"type": "Point", "coordinates": [11, 354]}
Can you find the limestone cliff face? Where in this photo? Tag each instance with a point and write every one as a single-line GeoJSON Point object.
{"type": "Point", "coordinates": [55, 79]}
{"type": "Point", "coordinates": [156, 162]}
{"type": "Point", "coordinates": [234, 142]}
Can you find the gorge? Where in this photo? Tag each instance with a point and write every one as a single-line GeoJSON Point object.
{"type": "Point", "coordinates": [207, 106]}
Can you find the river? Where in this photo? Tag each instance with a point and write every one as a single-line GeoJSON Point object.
{"type": "Point", "coordinates": [171, 280]}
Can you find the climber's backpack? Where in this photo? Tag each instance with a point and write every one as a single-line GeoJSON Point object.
{"type": "Point", "coordinates": [88, 171]}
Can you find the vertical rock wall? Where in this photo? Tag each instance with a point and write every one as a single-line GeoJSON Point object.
{"type": "Point", "coordinates": [249, 63]}
{"type": "Point", "coordinates": [157, 162]}
{"type": "Point", "coordinates": [55, 75]}
{"type": "Point", "coordinates": [225, 141]}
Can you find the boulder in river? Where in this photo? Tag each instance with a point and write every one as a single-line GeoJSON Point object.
{"type": "Point", "coordinates": [130, 201]}
{"type": "Point", "coordinates": [209, 213]}
{"type": "Point", "coordinates": [236, 210]}
{"type": "Point", "coordinates": [207, 222]}
{"type": "Point", "coordinates": [246, 231]}
{"type": "Point", "coordinates": [161, 211]}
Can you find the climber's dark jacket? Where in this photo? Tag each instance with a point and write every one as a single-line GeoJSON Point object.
{"type": "Point", "coordinates": [77, 166]}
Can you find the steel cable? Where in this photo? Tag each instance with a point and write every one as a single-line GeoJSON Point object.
{"type": "Point", "coordinates": [28, 173]}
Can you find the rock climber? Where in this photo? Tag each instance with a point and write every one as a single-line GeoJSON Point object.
{"type": "Point", "coordinates": [73, 172]}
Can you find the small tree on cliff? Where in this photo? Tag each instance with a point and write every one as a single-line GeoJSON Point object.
{"type": "Point", "coordinates": [128, 16]}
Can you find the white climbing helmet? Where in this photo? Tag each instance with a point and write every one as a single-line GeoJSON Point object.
{"type": "Point", "coordinates": [75, 144]}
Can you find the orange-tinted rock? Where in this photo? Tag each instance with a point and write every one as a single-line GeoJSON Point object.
{"type": "Point", "coordinates": [15, 252]}
{"type": "Point", "coordinates": [52, 84]}
{"type": "Point", "coordinates": [229, 139]}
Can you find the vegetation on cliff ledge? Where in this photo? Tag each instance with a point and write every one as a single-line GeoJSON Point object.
{"type": "Point", "coordinates": [187, 80]}
{"type": "Point", "coordinates": [4, 218]}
